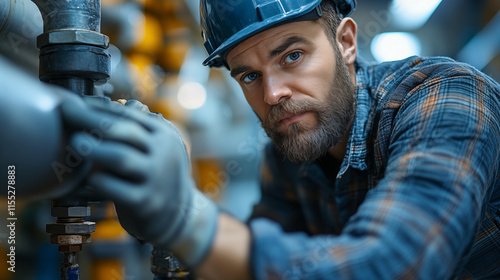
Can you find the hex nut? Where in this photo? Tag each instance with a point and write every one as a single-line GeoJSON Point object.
{"type": "Point", "coordinates": [71, 211]}
{"type": "Point", "coordinates": [70, 228]}
{"type": "Point", "coordinates": [70, 248]}
{"type": "Point", "coordinates": [73, 36]}
{"type": "Point", "coordinates": [71, 239]}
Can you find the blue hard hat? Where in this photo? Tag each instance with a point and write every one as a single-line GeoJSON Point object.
{"type": "Point", "coordinates": [226, 23]}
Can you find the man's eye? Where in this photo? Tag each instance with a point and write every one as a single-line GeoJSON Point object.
{"type": "Point", "coordinates": [292, 57]}
{"type": "Point", "coordinates": [250, 77]}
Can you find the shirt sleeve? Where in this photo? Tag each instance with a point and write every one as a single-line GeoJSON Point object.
{"type": "Point", "coordinates": [422, 217]}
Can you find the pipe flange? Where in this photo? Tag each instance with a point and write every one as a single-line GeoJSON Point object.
{"type": "Point", "coordinates": [72, 36]}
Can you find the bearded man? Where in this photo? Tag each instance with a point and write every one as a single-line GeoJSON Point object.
{"type": "Point", "coordinates": [375, 171]}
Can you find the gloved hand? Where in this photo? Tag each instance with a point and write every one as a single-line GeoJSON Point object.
{"type": "Point", "coordinates": [141, 164]}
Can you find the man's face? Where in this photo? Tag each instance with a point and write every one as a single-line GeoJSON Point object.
{"type": "Point", "coordinates": [298, 85]}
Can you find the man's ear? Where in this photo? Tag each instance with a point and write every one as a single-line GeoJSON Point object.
{"type": "Point", "coordinates": [346, 38]}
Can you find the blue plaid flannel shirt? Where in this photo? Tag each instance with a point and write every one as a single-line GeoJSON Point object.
{"type": "Point", "coordinates": [417, 195]}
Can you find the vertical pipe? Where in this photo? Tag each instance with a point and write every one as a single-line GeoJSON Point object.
{"type": "Point", "coordinates": [69, 267]}
{"type": "Point", "coordinates": [74, 14]}
{"type": "Point", "coordinates": [73, 54]}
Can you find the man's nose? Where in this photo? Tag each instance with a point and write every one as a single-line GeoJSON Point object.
{"type": "Point", "coordinates": [276, 90]}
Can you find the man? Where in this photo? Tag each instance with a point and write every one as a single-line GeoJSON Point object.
{"type": "Point", "coordinates": [383, 171]}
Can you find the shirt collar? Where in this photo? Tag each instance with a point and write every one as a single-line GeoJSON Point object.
{"type": "Point", "coordinates": [356, 152]}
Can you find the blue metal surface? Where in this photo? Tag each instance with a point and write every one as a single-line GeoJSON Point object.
{"type": "Point", "coordinates": [70, 273]}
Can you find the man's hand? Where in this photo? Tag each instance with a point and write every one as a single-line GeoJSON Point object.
{"type": "Point", "coordinates": [141, 164]}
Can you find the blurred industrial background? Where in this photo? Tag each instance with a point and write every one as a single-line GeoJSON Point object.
{"type": "Point", "coordinates": [156, 54]}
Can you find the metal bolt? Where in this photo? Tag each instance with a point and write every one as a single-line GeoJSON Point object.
{"type": "Point", "coordinates": [71, 239]}
{"type": "Point", "coordinates": [73, 36]}
{"type": "Point", "coordinates": [70, 211]}
{"type": "Point", "coordinates": [165, 265]}
{"type": "Point", "coordinates": [70, 228]}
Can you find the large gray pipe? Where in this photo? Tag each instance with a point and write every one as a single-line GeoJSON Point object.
{"type": "Point", "coordinates": [33, 139]}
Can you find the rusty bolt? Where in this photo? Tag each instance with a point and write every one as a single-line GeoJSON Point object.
{"type": "Point", "coordinates": [71, 239]}
{"type": "Point", "coordinates": [70, 248]}
{"type": "Point", "coordinates": [70, 228]}
{"type": "Point", "coordinates": [71, 211]}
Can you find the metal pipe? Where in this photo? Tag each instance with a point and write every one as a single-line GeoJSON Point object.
{"type": "Point", "coordinates": [74, 14]}
{"type": "Point", "coordinates": [33, 137]}
{"type": "Point", "coordinates": [73, 54]}
{"type": "Point", "coordinates": [70, 270]}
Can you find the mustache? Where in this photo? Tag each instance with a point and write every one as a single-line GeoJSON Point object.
{"type": "Point", "coordinates": [286, 107]}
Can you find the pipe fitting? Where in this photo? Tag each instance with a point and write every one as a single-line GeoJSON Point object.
{"type": "Point", "coordinates": [73, 36]}
{"type": "Point", "coordinates": [74, 61]}
{"type": "Point", "coordinates": [69, 239]}
{"type": "Point", "coordinates": [70, 228]}
{"type": "Point", "coordinates": [70, 211]}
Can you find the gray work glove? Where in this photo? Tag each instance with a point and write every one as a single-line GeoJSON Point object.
{"type": "Point", "coordinates": [141, 164]}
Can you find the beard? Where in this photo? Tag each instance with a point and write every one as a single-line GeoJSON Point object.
{"type": "Point", "coordinates": [302, 142]}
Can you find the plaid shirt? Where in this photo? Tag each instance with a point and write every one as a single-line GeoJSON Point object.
{"type": "Point", "coordinates": [417, 195]}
